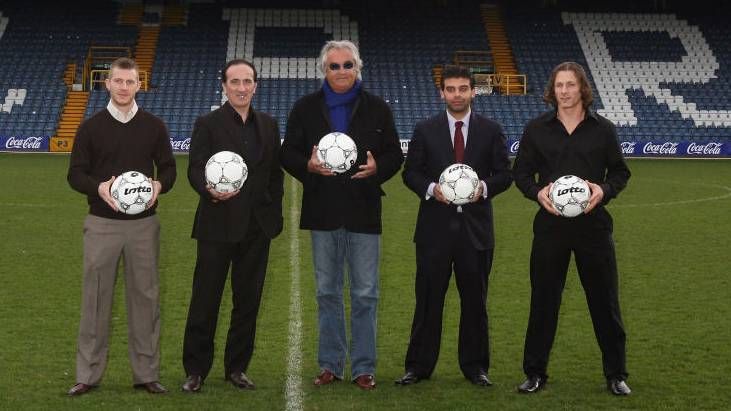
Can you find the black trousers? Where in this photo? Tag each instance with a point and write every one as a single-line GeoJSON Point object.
{"type": "Point", "coordinates": [248, 261]}
{"type": "Point", "coordinates": [435, 261]}
{"type": "Point", "coordinates": [590, 239]}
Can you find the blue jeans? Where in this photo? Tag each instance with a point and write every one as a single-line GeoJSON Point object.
{"type": "Point", "coordinates": [330, 251]}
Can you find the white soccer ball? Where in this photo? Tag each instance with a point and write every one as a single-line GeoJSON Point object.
{"type": "Point", "coordinates": [337, 152]}
{"type": "Point", "coordinates": [459, 183]}
{"type": "Point", "coordinates": [226, 171]}
{"type": "Point", "coordinates": [131, 192]}
{"type": "Point", "coordinates": [570, 195]}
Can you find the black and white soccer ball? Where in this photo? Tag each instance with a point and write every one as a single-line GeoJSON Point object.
{"type": "Point", "coordinates": [570, 195]}
{"type": "Point", "coordinates": [459, 183]}
{"type": "Point", "coordinates": [337, 152]}
{"type": "Point", "coordinates": [226, 172]}
{"type": "Point", "coordinates": [131, 192]}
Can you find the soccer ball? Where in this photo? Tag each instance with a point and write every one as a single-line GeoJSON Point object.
{"type": "Point", "coordinates": [226, 171]}
{"type": "Point", "coordinates": [459, 183]}
{"type": "Point", "coordinates": [570, 195]}
{"type": "Point", "coordinates": [337, 152]}
{"type": "Point", "coordinates": [131, 192]}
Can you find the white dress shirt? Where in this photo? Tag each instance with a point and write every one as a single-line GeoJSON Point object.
{"type": "Point", "coordinates": [121, 116]}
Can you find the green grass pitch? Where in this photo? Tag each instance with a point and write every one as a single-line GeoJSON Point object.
{"type": "Point", "coordinates": [672, 232]}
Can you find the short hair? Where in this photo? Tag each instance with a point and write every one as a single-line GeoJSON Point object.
{"type": "Point", "coordinates": [341, 45]}
{"type": "Point", "coordinates": [124, 63]}
{"type": "Point", "coordinates": [236, 62]}
{"type": "Point", "coordinates": [587, 96]}
{"type": "Point", "coordinates": [453, 71]}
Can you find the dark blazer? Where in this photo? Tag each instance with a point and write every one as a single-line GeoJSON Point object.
{"type": "Point", "coordinates": [431, 151]}
{"type": "Point", "coordinates": [261, 195]}
{"type": "Point", "coordinates": [332, 202]}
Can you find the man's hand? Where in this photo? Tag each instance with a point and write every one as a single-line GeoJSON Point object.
{"type": "Point", "coordinates": [439, 195]}
{"type": "Point", "coordinates": [597, 195]}
{"type": "Point", "coordinates": [314, 165]}
{"type": "Point", "coordinates": [220, 196]}
{"type": "Point", "coordinates": [478, 194]}
{"type": "Point", "coordinates": [368, 169]}
{"type": "Point", "coordinates": [545, 201]}
{"type": "Point", "coordinates": [105, 193]}
{"type": "Point", "coordinates": [156, 188]}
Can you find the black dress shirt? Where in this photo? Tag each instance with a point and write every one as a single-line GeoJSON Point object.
{"type": "Point", "coordinates": [591, 152]}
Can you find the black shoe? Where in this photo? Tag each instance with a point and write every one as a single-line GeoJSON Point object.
{"type": "Point", "coordinates": [532, 384]}
{"type": "Point", "coordinates": [480, 379]}
{"type": "Point", "coordinates": [193, 383]}
{"type": "Point", "coordinates": [240, 380]}
{"type": "Point", "coordinates": [409, 378]}
{"type": "Point", "coordinates": [618, 387]}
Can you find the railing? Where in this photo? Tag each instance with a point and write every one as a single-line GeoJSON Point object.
{"type": "Point", "coordinates": [100, 58]}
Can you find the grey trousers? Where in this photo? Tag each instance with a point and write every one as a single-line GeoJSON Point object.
{"type": "Point", "coordinates": [106, 241]}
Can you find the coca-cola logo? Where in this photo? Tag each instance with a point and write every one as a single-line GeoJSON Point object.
{"type": "Point", "coordinates": [180, 145]}
{"type": "Point", "coordinates": [628, 147]}
{"type": "Point", "coordinates": [704, 149]}
{"type": "Point", "coordinates": [515, 146]}
{"type": "Point", "coordinates": [24, 143]}
{"type": "Point", "coordinates": [664, 148]}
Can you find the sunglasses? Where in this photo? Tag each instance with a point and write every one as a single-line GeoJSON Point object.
{"type": "Point", "coordinates": [348, 65]}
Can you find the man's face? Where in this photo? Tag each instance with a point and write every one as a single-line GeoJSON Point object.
{"type": "Point", "coordinates": [567, 89]}
{"type": "Point", "coordinates": [338, 75]}
{"type": "Point", "coordinates": [240, 86]}
{"type": "Point", "coordinates": [122, 84]}
{"type": "Point", "coordinates": [458, 94]}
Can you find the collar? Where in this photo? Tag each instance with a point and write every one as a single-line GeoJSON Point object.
{"type": "Point", "coordinates": [235, 114]}
{"type": "Point", "coordinates": [119, 115]}
{"type": "Point", "coordinates": [465, 120]}
{"type": "Point", "coordinates": [588, 113]}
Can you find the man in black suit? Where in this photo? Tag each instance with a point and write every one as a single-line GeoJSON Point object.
{"type": "Point", "coordinates": [233, 228]}
{"type": "Point", "coordinates": [455, 237]}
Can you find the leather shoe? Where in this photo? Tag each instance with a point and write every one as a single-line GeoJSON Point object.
{"type": "Point", "coordinates": [240, 380]}
{"type": "Point", "coordinates": [366, 381]}
{"type": "Point", "coordinates": [409, 378]}
{"type": "Point", "coordinates": [153, 387]}
{"type": "Point", "coordinates": [618, 387]}
{"type": "Point", "coordinates": [481, 379]}
{"type": "Point", "coordinates": [326, 377]}
{"type": "Point", "coordinates": [193, 383]}
{"type": "Point", "coordinates": [532, 384]}
{"type": "Point", "coordinates": [79, 389]}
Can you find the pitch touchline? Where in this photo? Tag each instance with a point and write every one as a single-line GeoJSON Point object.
{"type": "Point", "coordinates": [679, 202]}
{"type": "Point", "coordinates": [293, 389]}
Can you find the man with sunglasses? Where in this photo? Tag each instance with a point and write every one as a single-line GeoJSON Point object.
{"type": "Point", "coordinates": [343, 211]}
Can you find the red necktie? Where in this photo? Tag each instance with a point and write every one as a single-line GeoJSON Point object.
{"type": "Point", "coordinates": [458, 142]}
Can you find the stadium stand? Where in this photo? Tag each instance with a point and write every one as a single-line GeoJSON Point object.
{"type": "Point", "coordinates": [661, 78]}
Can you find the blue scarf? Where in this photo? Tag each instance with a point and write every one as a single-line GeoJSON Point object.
{"type": "Point", "coordinates": [340, 105]}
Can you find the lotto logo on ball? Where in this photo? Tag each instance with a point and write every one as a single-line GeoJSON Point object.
{"type": "Point", "coordinates": [131, 192]}
{"type": "Point", "coordinates": [459, 183]}
{"type": "Point", "coordinates": [226, 172]}
{"type": "Point", "coordinates": [337, 152]}
{"type": "Point", "coordinates": [570, 195]}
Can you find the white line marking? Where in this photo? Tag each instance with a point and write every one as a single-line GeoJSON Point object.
{"type": "Point", "coordinates": [293, 389]}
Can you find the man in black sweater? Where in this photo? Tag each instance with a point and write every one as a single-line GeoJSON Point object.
{"type": "Point", "coordinates": [115, 140]}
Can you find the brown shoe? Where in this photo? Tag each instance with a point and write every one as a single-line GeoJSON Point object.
{"type": "Point", "coordinates": [326, 377]}
{"type": "Point", "coordinates": [240, 380]}
{"type": "Point", "coordinates": [366, 381]}
{"type": "Point", "coordinates": [79, 389]}
{"type": "Point", "coordinates": [153, 387]}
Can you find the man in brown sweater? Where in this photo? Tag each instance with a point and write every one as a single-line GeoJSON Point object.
{"type": "Point", "coordinates": [115, 140]}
